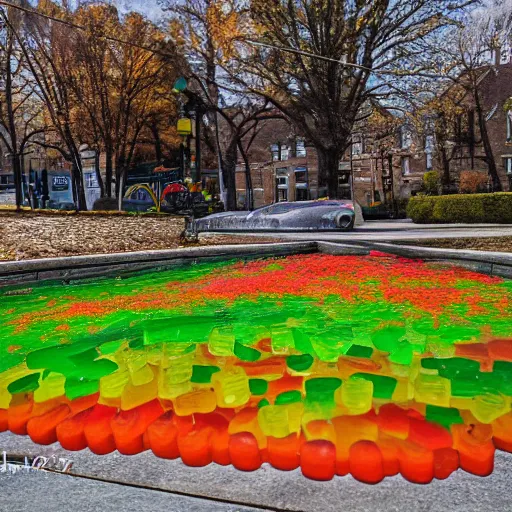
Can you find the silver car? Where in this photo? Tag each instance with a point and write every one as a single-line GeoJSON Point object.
{"type": "Point", "coordinates": [323, 215]}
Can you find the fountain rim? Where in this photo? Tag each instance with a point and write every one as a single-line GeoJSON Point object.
{"type": "Point", "coordinates": [75, 268]}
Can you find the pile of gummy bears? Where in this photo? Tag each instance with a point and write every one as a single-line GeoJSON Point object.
{"type": "Point", "coordinates": [368, 365]}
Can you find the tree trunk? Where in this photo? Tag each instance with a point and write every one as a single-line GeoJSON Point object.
{"type": "Point", "coordinates": [119, 170]}
{"type": "Point", "coordinates": [76, 170]}
{"type": "Point", "coordinates": [158, 142]}
{"type": "Point", "coordinates": [220, 162]}
{"type": "Point", "coordinates": [121, 180]}
{"type": "Point", "coordinates": [98, 172]}
{"type": "Point", "coordinates": [328, 165]}
{"type": "Point", "coordinates": [249, 196]}
{"type": "Point", "coordinates": [78, 180]}
{"type": "Point", "coordinates": [446, 179]}
{"type": "Point", "coordinates": [228, 175]}
{"type": "Point", "coordinates": [108, 171]}
{"type": "Point", "coordinates": [17, 171]}
{"type": "Point", "coordinates": [489, 155]}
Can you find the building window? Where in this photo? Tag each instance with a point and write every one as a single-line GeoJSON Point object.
{"type": "Point", "coordinates": [276, 150]}
{"type": "Point", "coordinates": [508, 165]}
{"type": "Point", "coordinates": [285, 153]}
{"type": "Point", "coordinates": [301, 194]}
{"type": "Point", "coordinates": [282, 184]}
{"type": "Point", "coordinates": [405, 137]}
{"type": "Point", "coordinates": [300, 148]}
{"type": "Point", "coordinates": [282, 194]}
{"type": "Point", "coordinates": [301, 175]}
{"type": "Point", "coordinates": [357, 145]}
{"type": "Point", "coordinates": [406, 166]}
{"type": "Point", "coordinates": [509, 125]}
{"type": "Point", "coordinates": [344, 191]}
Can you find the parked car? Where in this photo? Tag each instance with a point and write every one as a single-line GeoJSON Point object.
{"type": "Point", "coordinates": [319, 215]}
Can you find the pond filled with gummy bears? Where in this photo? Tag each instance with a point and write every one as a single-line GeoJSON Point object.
{"type": "Point", "coordinates": [368, 365]}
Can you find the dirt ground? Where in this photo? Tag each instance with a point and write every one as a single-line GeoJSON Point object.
{"type": "Point", "coordinates": [31, 235]}
{"type": "Point", "coordinates": [499, 244]}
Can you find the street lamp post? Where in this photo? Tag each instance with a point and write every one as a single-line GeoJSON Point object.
{"type": "Point", "coordinates": [196, 104]}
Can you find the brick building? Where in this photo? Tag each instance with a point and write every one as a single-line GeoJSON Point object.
{"type": "Point", "coordinates": [495, 88]}
{"type": "Point", "coordinates": [284, 167]}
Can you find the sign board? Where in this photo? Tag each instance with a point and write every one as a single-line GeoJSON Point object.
{"type": "Point", "coordinates": [91, 180]}
{"type": "Point", "coordinates": [184, 126]}
{"type": "Point", "coordinates": [366, 180]}
{"type": "Point", "coordinates": [60, 183]}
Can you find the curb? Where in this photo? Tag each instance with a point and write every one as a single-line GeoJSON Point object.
{"type": "Point", "coordinates": [487, 262]}
{"type": "Point", "coordinates": [75, 268]}
{"type": "Point", "coordinates": [98, 265]}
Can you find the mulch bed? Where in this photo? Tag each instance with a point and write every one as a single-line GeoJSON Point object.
{"type": "Point", "coordinates": [495, 244]}
{"type": "Point", "coordinates": [30, 235]}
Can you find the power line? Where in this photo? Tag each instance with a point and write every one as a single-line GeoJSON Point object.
{"type": "Point", "coordinates": [312, 55]}
{"type": "Point", "coordinates": [82, 28]}
{"type": "Point", "coordinates": [165, 54]}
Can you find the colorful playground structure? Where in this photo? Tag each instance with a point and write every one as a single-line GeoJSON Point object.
{"type": "Point", "coordinates": [162, 190]}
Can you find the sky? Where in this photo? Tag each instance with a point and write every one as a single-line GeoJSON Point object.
{"type": "Point", "coordinates": [149, 8]}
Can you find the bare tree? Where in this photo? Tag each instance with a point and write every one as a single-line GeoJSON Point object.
{"type": "Point", "coordinates": [319, 61]}
{"type": "Point", "coordinates": [44, 45]}
{"type": "Point", "coordinates": [201, 29]}
{"type": "Point", "coordinates": [20, 108]}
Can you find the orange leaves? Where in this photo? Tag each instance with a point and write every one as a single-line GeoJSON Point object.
{"type": "Point", "coordinates": [224, 22]}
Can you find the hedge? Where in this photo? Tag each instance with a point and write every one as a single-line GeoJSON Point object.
{"type": "Point", "coordinates": [461, 208]}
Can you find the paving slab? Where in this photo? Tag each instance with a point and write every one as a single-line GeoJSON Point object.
{"type": "Point", "coordinates": [51, 492]}
{"type": "Point", "coordinates": [271, 489]}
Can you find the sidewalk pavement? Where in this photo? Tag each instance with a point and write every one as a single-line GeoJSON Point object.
{"type": "Point", "coordinates": [227, 489]}
{"type": "Point", "coordinates": [388, 230]}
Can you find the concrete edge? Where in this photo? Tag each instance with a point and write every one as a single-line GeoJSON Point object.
{"type": "Point", "coordinates": [503, 258]}
{"type": "Point", "coordinates": [76, 268]}
{"type": "Point", "coordinates": [98, 265]}
{"type": "Point", "coordinates": [486, 262]}
{"type": "Point", "coordinates": [334, 248]}
{"type": "Point", "coordinates": [152, 255]}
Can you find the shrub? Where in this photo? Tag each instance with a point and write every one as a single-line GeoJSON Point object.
{"type": "Point", "coordinates": [475, 208]}
{"type": "Point", "coordinates": [431, 183]}
{"type": "Point", "coordinates": [420, 209]}
{"type": "Point", "coordinates": [472, 182]}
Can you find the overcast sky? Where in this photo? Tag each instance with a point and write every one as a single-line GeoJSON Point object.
{"type": "Point", "coordinates": [148, 7]}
